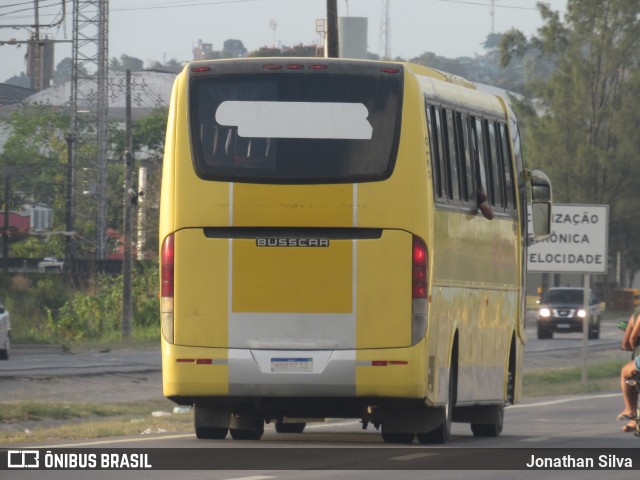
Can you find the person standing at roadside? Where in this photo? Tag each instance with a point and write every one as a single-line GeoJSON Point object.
{"type": "Point", "coordinates": [629, 393]}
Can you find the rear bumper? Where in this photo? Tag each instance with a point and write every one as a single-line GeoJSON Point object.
{"type": "Point", "coordinates": [213, 373]}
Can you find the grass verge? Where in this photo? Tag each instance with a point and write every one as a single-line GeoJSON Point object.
{"type": "Point", "coordinates": [601, 376]}
{"type": "Point", "coordinates": [47, 421]}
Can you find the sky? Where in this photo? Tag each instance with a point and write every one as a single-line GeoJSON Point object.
{"type": "Point", "coordinates": [160, 30]}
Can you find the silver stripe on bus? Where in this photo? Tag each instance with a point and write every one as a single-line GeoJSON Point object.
{"type": "Point", "coordinates": [292, 330]}
{"type": "Point", "coordinates": [333, 373]}
{"type": "Point", "coordinates": [231, 205]}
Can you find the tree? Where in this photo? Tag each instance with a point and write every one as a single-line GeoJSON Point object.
{"type": "Point", "coordinates": [148, 135]}
{"type": "Point", "coordinates": [584, 134]}
{"type": "Point", "coordinates": [492, 42]}
{"type": "Point", "coordinates": [172, 65]}
{"type": "Point", "coordinates": [35, 154]}
{"type": "Point", "coordinates": [126, 63]}
{"type": "Point", "coordinates": [63, 71]}
{"type": "Point", "coordinates": [299, 50]}
{"type": "Point", "coordinates": [233, 48]}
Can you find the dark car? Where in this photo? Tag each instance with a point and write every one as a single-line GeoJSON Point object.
{"type": "Point", "coordinates": [561, 310]}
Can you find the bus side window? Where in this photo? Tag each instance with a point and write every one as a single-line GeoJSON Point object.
{"type": "Point", "coordinates": [481, 167]}
{"type": "Point", "coordinates": [517, 153]}
{"type": "Point", "coordinates": [466, 161]}
{"type": "Point", "coordinates": [495, 167]}
{"type": "Point", "coordinates": [435, 149]}
{"type": "Point", "coordinates": [509, 196]}
{"type": "Point", "coordinates": [453, 177]}
{"type": "Point", "coordinates": [437, 116]}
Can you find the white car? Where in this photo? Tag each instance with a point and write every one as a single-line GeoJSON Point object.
{"type": "Point", "coordinates": [5, 333]}
{"type": "Point", "coordinates": [50, 263]}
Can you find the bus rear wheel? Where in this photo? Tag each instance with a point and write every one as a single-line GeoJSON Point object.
{"type": "Point", "coordinates": [211, 433]}
{"type": "Point", "coordinates": [238, 434]}
{"type": "Point", "coordinates": [282, 427]}
{"type": "Point", "coordinates": [398, 437]}
{"type": "Point", "coordinates": [492, 429]}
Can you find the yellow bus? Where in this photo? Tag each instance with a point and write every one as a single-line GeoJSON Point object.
{"type": "Point", "coordinates": [342, 239]}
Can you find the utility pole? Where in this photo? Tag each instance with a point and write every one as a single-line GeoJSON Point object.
{"type": "Point", "coordinates": [5, 230]}
{"type": "Point", "coordinates": [142, 212]}
{"type": "Point", "coordinates": [70, 204]}
{"type": "Point", "coordinates": [333, 42]}
{"type": "Point", "coordinates": [127, 298]}
{"type": "Point", "coordinates": [37, 51]}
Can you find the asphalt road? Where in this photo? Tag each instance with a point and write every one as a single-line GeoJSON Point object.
{"type": "Point", "coordinates": [341, 449]}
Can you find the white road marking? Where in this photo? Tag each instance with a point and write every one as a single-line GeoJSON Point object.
{"type": "Point", "coordinates": [564, 400]}
{"type": "Point", "coordinates": [122, 440]}
{"type": "Point", "coordinates": [255, 477]}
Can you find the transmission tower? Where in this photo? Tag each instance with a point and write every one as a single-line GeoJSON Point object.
{"type": "Point", "coordinates": [89, 98]}
{"type": "Point", "coordinates": [273, 26]}
{"type": "Point", "coordinates": [385, 31]}
{"type": "Point", "coordinates": [492, 12]}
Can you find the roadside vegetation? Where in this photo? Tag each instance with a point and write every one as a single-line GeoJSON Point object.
{"type": "Point", "coordinates": [47, 309]}
{"type": "Point", "coordinates": [45, 421]}
{"type": "Point", "coordinates": [601, 377]}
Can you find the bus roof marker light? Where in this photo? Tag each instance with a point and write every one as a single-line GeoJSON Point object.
{"type": "Point", "coordinates": [389, 70]}
{"type": "Point", "coordinates": [271, 66]}
{"type": "Point", "coordinates": [294, 66]}
{"type": "Point", "coordinates": [318, 67]}
{"type": "Point", "coordinates": [200, 69]}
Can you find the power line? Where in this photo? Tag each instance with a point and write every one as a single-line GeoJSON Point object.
{"type": "Point", "coordinates": [466, 2]}
{"type": "Point", "coordinates": [179, 5]}
{"type": "Point", "coordinates": [60, 4]}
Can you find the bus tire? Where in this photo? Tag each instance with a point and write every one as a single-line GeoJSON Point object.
{"type": "Point", "coordinates": [493, 429]}
{"type": "Point", "coordinates": [398, 437]}
{"type": "Point", "coordinates": [256, 434]}
{"type": "Point", "coordinates": [211, 433]}
{"type": "Point", "coordinates": [282, 427]}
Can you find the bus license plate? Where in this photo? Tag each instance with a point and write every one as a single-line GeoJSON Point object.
{"type": "Point", "coordinates": [293, 365]}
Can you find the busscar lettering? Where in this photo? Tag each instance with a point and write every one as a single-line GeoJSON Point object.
{"type": "Point", "coordinates": [292, 242]}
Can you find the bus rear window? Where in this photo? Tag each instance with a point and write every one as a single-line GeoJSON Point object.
{"type": "Point", "coordinates": [295, 128]}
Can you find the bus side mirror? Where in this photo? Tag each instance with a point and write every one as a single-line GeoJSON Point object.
{"type": "Point", "coordinates": [541, 204]}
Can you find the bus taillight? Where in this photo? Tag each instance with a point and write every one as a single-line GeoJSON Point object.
{"type": "Point", "coordinates": [419, 290]}
{"type": "Point", "coordinates": [167, 267]}
{"type": "Point", "coordinates": [419, 270]}
{"type": "Point", "coordinates": [166, 288]}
